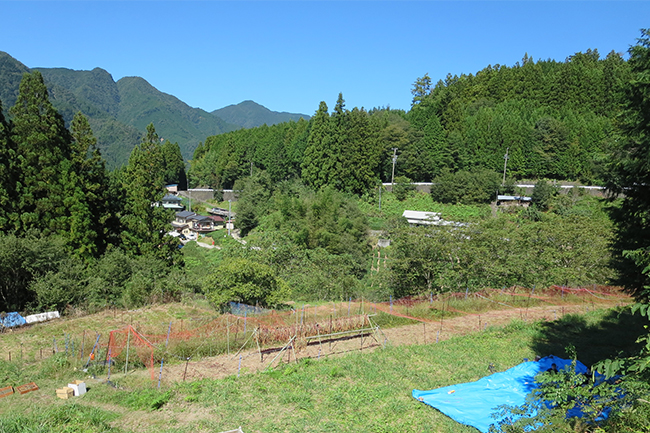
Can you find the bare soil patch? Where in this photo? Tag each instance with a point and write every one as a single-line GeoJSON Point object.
{"type": "Point", "coordinates": [251, 361]}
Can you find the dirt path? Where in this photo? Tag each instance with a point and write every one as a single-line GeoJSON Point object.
{"type": "Point", "coordinates": [426, 332]}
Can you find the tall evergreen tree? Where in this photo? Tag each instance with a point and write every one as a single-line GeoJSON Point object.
{"type": "Point", "coordinates": [631, 173]}
{"type": "Point", "coordinates": [361, 153]}
{"type": "Point", "coordinates": [7, 176]}
{"type": "Point", "coordinates": [88, 192]}
{"type": "Point", "coordinates": [318, 165]}
{"type": "Point", "coordinates": [174, 165]}
{"type": "Point", "coordinates": [42, 152]}
{"type": "Point", "coordinates": [145, 221]}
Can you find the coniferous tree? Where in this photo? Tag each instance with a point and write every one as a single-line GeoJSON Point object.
{"type": "Point", "coordinates": [319, 163]}
{"type": "Point", "coordinates": [174, 165]}
{"type": "Point", "coordinates": [630, 174]}
{"type": "Point", "coordinates": [90, 215]}
{"type": "Point", "coordinates": [361, 153]}
{"type": "Point", "coordinates": [145, 221]}
{"type": "Point", "coordinates": [7, 176]}
{"type": "Point", "coordinates": [42, 154]}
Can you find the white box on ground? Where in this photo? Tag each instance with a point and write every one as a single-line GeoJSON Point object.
{"type": "Point", "coordinates": [79, 387]}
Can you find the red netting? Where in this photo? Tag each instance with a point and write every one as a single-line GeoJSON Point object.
{"type": "Point", "coordinates": [134, 342]}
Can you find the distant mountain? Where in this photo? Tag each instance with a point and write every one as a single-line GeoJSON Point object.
{"type": "Point", "coordinates": [119, 112]}
{"type": "Point", "coordinates": [249, 114]}
{"type": "Point", "coordinates": [142, 104]}
{"type": "Point", "coordinates": [11, 72]}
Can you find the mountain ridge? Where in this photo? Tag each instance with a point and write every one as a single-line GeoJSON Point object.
{"type": "Point", "coordinates": [119, 111]}
{"type": "Point", "coordinates": [249, 114]}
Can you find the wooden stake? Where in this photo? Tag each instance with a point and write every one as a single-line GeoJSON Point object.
{"type": "Point", "coordinates": [185, 372]}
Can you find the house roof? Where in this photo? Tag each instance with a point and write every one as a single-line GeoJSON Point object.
{"type": "Point", "coordinates": [185, 214]}
{"type": "Point", "coordinates": [199, 218]}
{"type": "Point", "coordinates": [171, 197]}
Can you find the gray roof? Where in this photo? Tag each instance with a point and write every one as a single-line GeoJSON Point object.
{"type": "Point", "coordinates": [185, 214]}
{"type": "Point", "coordinates": [171, 197]}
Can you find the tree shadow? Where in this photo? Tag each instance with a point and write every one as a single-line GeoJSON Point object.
{"type": "Point", "coordinates": [613, 335]}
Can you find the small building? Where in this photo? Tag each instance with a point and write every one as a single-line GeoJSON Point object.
{"type": "Point", "coordinates": [170, 201]}
{"type": "Point", "coordinates": [172, 189]}
{"type": "Point", "coordinates": [224, 213]}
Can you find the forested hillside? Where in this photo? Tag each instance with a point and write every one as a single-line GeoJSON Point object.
{"type": "Point", "coordinates": [61, 209]}
{"type": "Point", "coordinates": [120, 111]}
{"type": "Point", "coordinates": [554, 119]}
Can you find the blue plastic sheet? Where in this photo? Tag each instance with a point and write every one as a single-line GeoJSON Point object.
{"type": "Point", "coordinates": [11, 320]}
{"type": "Point", "coordinates": [240, 309]}
{"type": "Point", "coordinates": [475, 403]}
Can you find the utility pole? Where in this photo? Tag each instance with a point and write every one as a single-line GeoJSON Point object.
{"type": "Point", "coordinates": [189, 192]}
{"type": "Point", "coordinates": [505, 164]}
{"type": "Point", "coordinates": [381, 185]}
{"type": "Point", "coordinates": [392, 179]}
{"type": "Point", "coordinates": [229, 224]}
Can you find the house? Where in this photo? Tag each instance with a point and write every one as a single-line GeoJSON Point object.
{"type": "Point", "coordinates": [173, 188]}
{"type": "Point", "coordinates": [170, 201]}
{"type": "Point", "coordinates": [181, 220]}
{"type": "Point", "coordinates": [218, 221]}
{"type": "Point", "coordinates": [201, 224]}
{"type": "Point", "coordinates": [188, 222]}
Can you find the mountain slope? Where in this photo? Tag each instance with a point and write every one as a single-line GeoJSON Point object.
{"type": "Point", "coordinates": [249, 114]}
{"type": "Point", "coordinates": [141, 104]}
{"type": "Point", "coordinates": [119, 112]}
{"type": "Point", "coordinates": [11, 72]}
{"type": "Point", "coordinates": [96, 87]}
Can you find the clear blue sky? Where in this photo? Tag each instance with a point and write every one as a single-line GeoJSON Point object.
{"type": "Point", "coordinates": [289, 56]}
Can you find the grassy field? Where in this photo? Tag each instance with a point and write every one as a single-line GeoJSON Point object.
{"type": "Point", "coordinates": [359, 392]}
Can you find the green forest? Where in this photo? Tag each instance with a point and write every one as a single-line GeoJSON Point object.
{"type": "Point", "coordinates": [78, 237]}
{"type": "Point", "coordinates": [555, 120]}
{"type": "Point", "coordinates": [309, 195]}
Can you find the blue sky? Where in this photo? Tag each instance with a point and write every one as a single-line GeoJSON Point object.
{"type": "Point", "coordinates": [289, 56]}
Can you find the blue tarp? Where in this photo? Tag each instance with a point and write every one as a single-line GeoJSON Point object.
{"type": "Point", "coordinates": [239, 309]}
{"type": "Point", "coordinates": [474, 403]}
{"type": "Point", "coordinates": [12, 319]}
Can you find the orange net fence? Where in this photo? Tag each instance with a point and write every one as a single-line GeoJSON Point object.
{"type": "Point", "coordinates": [228, 333]}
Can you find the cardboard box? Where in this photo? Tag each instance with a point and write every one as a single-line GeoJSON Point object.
{"type": "Point", "coordinates": [65, 393]}
{"type": "Point", "coordinates": [79, 387]}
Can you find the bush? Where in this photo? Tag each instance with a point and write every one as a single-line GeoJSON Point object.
{"type": "Point", "coordinates": [402, 187]}
{"type": "Point", "coordinates": [242, 280]}
{"type": "Point", "coordinates": [466, 187]}
{"type": "Point", "coordinates": [542, 194]}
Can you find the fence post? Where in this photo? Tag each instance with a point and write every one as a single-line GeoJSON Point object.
{"type": "Point", "coordinates": [185, 372]}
